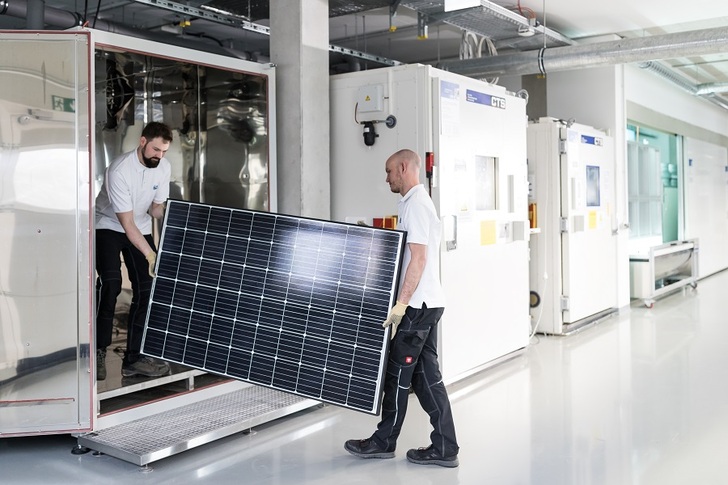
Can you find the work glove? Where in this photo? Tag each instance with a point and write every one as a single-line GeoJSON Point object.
{"type": "Point", "coordinates": [152, 258]}
{"type": "Point", "coordinates": [395, 316]}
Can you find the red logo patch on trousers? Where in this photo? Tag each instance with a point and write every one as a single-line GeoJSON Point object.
{"type": "Point", "coordinates": [408, 359]}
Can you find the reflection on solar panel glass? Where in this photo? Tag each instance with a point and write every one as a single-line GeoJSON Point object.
{"type": "Point", "coordinates": [290, 303]}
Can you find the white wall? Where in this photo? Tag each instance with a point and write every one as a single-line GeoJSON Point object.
{"type": "Point", "coordinates": [705, 192]}
{"type": "Point", "coordinates": [655, 102]}
{"type": "Point", "coordinates": [646, 89]}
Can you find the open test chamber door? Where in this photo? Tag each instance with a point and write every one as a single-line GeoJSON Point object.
{"type": "Point", "coordinates": [71, 102]}
{"type": "Point", "coordinates": [574, 253]}
{"type": "Point", "coordinates": [477, 132]}
{"type": "Point", "coordinates": [45, 220]}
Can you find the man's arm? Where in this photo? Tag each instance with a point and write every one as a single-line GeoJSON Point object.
{"type": "Point", "coordinates": [157, 210]}
{"type": "Point", "coordinates": [133, 233]}
{"type": "Point", "coordinates": [414, 271]}
{"type": "Point", "coordinates": [412, 276]}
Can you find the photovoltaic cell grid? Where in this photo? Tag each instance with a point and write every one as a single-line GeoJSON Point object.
{"type": "Point", "coordinates": [290, 303]}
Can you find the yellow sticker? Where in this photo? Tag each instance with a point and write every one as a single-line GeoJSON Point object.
{"type": "Point", "coordinates": [487, 232]}
{"type": "Point", "coordinates": [592, 219]}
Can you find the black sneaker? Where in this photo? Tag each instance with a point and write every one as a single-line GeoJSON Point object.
{"type": "Point", "coordinates": [430, 456]}
{"type": "Point", "coordinates": [367, 449]}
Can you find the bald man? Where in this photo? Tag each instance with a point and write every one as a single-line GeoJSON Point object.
{"type": "Point", "coordinates": [414, 319]}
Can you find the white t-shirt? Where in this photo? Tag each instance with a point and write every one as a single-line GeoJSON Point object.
{"type": "Point", "coordinates": [129, 185]}
{"type": "Point", "coordinates": [418, 217]}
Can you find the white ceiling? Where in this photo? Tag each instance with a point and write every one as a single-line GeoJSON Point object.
{"type": "Point", "coordinates": [638, 18]}
{"type": "Point", "coordinates": [577, 19]}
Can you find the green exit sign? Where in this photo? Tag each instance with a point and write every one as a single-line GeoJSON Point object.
{"type": "Point", "coordinates": [63, 104]}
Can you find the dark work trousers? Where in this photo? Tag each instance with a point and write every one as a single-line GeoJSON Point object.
{"type": "Point", "coordinates": [109, 246]}
{"type": "Point", "coordinates": [413, 360]}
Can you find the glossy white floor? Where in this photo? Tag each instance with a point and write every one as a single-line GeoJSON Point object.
{"type": "Point", "coordinates": [641, 398]}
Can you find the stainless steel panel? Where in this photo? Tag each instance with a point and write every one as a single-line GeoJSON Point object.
{"type": "Point", "coordinates": [45, 302]}
{"type": "Point", "coordinates": [220, 117]}
{"type": "Point", "coordinates": [54, 86]}
{"type": "Point", "coordinates": [220, 154]}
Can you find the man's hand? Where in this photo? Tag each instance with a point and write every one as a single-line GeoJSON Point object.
{"type": "Point", "coordinates": [152, 258]}
{"type": "Point", "coordinates": [395, 316]}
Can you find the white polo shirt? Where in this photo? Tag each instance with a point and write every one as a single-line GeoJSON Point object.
{"type": "Point", "coordinates": [418, 217]}
{"type": "Point", "coordinates": [129, 185]}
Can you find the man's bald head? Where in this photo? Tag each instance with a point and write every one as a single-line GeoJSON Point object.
{"type": "Point", "coordinates": [403, 171]}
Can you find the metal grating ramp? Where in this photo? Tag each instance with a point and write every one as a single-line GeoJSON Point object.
{"type": "Point", "coordinates": [152, 438]}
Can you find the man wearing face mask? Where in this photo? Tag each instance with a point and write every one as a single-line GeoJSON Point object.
{"type": "Point", "coordinates": [135, 188]}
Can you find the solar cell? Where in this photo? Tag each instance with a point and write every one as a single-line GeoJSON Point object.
{"type": "Point", "coordinates": [286, 302]}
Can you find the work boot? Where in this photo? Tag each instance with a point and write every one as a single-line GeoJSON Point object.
{"type": "Point", "coordinates": [101, 365]}
{"type": "Point", "coordinates": [145, 366]}
{"type": "Point", "coordinates": [430, 456]}
{"type": "Point", "coordinates": [367, 448]}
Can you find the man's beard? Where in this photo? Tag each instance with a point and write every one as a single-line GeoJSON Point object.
{"type": "Point", "coordinates": [150, 162]}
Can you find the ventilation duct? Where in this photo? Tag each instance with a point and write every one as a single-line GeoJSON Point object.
{"type": "Point", "coordinates": [705, 91]}
{"type": "Point", "coordinates": [644, 50]}
{"type": "Point", "coordinates": [670, 75]}
{"type": "Point", "coordinates": [543, 61]}
{"type": "Point", "coordinates": [711, 88]}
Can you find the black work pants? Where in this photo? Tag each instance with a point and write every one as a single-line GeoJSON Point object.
{"type": "Point", "coordinates": [413, 360]}
{"type": "Point", "coordinates": [110, 245]}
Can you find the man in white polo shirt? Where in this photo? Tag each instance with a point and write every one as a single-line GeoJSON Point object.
{"type": "Point", "coordinates": [413, 351]}
{"type": "Point", "coordinates": [135, 188]}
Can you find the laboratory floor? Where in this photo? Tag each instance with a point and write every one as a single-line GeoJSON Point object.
{"type": "Point", "coordinates": [640, 398]}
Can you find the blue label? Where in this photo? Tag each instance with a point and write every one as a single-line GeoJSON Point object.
{"type": "Point", "coordinates": [485, 99]}
{"type": "Point", "coordinates": [449, 90]}
{"type": "Point", "coordinates": [592, 140]}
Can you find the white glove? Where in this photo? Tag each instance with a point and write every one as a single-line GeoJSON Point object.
{"type": "Point", "coordinates": [395, 316]}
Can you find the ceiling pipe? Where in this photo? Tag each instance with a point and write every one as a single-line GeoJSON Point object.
{"type": "Point", "coordinates": [66, 20]}
{"type": "Point", "coordinates": [35, 20]}
{"type": "Point", "coordinates": [50, 16]}
{"type": "Point", "coordinates": [670, 75]}
{"type": "Point", "coordinates": [545, 60]}
{"type": "Point", "coordinates": [687, 84]}
{"type": "Point", "coordinates": [711, 88]}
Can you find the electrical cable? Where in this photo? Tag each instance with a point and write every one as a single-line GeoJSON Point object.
{"type": "Point", "coordinates": [544, 23]}
{"type": "Point", "coordinates": [529, 13]}
{"type": "Point", "coordinates": [96, 15]}
{"type": "Point", "coordinates": [471, 46]}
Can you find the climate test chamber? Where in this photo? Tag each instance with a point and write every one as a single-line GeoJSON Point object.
{"type": "Point", "coordinates": [471, 136]}
{"type": "Point", "coordinates": [574, 248]}
{"type": "Point", "coordinates": [71, 102]}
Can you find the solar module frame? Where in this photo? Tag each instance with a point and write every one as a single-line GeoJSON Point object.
{"type": "Point", "coordinates": [290, 303]}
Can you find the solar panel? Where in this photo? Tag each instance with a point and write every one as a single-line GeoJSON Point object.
{"type": "Point", "coordinates": [289, 303]}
